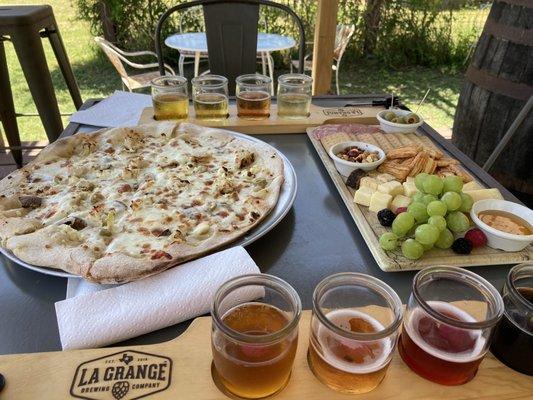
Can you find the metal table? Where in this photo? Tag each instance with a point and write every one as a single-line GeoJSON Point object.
{"type": "Point", "coordinates": [317, 238]}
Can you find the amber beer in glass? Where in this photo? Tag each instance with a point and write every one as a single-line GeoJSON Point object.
{"type": "Point", "coordinates": [254, 342]}
{"type": "Point", "coordinates": [512, 342]}
{"type": "Point", "coordinates": [294, 96]}
{"type": "Point", "coordinates": [253, 96]}
{"type": "Point", "coordinates": [210, 97]}
{"type": "Point", "coordinates": [354, 330]}
{"type": "Point", "coordinates": [448, 324]}
{"type": "Point", "coordinates": [170, 97]}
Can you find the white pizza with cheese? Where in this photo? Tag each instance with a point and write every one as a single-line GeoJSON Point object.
{"type": "Point", "coordinates": [120, 204]}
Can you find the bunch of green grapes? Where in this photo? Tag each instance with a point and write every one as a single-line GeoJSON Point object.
{"type": "Point", "coordinates": [436, 213]}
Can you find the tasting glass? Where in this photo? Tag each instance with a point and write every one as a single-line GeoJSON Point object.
{"type": "Point", "coordinates": [170, 97]}
{"type": "Point", "coordinates": [253, 96]}
{"type": "Point", "coordinates": [512, 343]}
{"type": "Point", "coordinates": [354, 330]}
{"type": "Point", "coordinates": [210, 97]}
{"type": "Point", "coordinates": [294, 96]}
{"type": "Point", "coordinates": [448, 324]}
{"type": "Point", "coordinates": [254, 341]}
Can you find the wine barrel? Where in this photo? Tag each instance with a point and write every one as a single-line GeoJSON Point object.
{"type": "Point", "coordinates": [499, 80]}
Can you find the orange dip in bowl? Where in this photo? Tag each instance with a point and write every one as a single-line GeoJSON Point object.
{"type": "Point", "coordinates": [506, 222]}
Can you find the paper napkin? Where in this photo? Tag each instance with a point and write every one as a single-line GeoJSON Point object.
{"type": "Point", "coordinates": [119, 109]}
{"type": "Point", "coordinates": [99, 318]}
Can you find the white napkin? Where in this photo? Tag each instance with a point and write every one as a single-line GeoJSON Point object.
{"type": "Point", "coordinates": [122, 312]}
{"type": "Point", "coordinates": [119, 109]}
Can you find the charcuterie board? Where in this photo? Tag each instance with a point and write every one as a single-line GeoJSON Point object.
{"type": "Point", "coordinates": [181, 369]}
{"type": "Point", "coordinates": [275, 125]}
{"type": "Point", "coordinates": [367, 222]}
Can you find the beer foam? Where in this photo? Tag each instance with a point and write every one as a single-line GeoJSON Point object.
{"type": "Point", "coordinates": [440, 306]}
{"type": "Point", "coordinates": [341, 318]}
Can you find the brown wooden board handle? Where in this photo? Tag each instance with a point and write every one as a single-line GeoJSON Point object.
{"type": "Point", "coordinates": [274, 125]}
{"type": "Point", "coordinates": [181, 369]}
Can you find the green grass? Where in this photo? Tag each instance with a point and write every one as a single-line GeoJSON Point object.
{"type": "Point", "coordinates": [97, 78]}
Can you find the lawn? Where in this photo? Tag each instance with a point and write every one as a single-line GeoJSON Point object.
{"type": "Point", "coordinates": [97, 78]}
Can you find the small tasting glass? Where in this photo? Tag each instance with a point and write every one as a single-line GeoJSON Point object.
{"type": "Point", "coordinates": [254, 341]}
{"type": "Point", "coordinates": [448, 324]}
{"type": "Point", "coordinates": [253, 96]}
{"type": "Point", "coordinates": [210, 97]}
{"type": "Point", "coordinates": [170, 97]}
{"type": "Point", "coordinates": [354, 330]}
{"type": "Point", "coordinates": [294, 96]}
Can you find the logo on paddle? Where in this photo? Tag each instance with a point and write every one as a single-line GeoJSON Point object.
{"type": "Point", "coordinates": [342, 112]}
{"type": "Point", "coordinates": [126, 375]}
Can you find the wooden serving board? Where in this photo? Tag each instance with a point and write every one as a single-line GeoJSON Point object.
{"type": "Point", "coordinates": [371, 229]}
{"type": "Point", "coordinates": [181, 369]}
{"type": "Point", "coordinates": [274, 125]}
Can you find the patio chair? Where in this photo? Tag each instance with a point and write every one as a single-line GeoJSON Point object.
{"type": "Point", "coordinates": [118, 58]}
{"type": "Point", "coordinates": [342, 38]}
{"type": "Point", "coordinates": [231, 30]}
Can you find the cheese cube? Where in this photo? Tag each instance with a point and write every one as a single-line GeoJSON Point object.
{"type": "Point", "coordinates": [483, 194]}
{"type": "Point", "coordinates": [368, 182]}
{"type": "Point", "coordinates": [392, 187]}
{"type": "Point", "coordinates": [379, 201]}
{"type": "Point", "coordinates": [410, 179]}
{"type": "Point", "coordinates": [409, 188]}
{"type": "Point", "coordinates": [363, 195]}
{"type": "Point", "coordinates": [400, 201]}
{"type": "Point", "coordinates": [384, 178]}
{"type": "Point", "coordinates": [472, 185]}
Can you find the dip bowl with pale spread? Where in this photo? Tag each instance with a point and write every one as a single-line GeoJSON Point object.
{"type": "Point", "coordinates": [507, 225]}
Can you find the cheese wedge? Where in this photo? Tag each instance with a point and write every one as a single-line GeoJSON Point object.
{"type": "Point", "coordinates": [379, 201]}
{"type": "Point", "coordinates": [382, 178]}
{"type": "Point", "coordinates": [392, 187]}
{"type": "Point", "coordinates": [409, 188]}
{"type": "Point", "coordinates": [363, 195]}
{"type": "Point", "coordinates": [483, 194]}
{"type": "Point", "coordinates": [472, 185]}
{"type": "Point", "coordinates": [400, 201]}
{"type": "Point", "coordinates": [368, 182]}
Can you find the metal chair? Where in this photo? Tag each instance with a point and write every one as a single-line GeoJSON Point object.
{"type": "Point", "coordinates": [118, 58]}
{"type": "Point", "coordinates": [231, 30]}
{"type": "Point", "coordinates": [184, 55]}
{"type": "Point", "coordinates": [342, 37]}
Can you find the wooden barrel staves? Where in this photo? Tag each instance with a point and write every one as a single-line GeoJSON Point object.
{"type": "Point", "coordinates": [498, 83]}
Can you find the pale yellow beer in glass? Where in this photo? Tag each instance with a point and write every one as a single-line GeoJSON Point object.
{"type": "Point", "coordinates": [210, 97]}
{"type": "Point", "coordinates": [294, 96]}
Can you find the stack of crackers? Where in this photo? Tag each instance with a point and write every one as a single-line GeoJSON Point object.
{"type": "Point", "coordinates": [413, 159]}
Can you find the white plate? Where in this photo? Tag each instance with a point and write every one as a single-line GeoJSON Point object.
{"type": "Point", "coordinates": [285, 201]}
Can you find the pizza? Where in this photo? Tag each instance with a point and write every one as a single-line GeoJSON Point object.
{"type": "Point", "coordinates": [120, 204]}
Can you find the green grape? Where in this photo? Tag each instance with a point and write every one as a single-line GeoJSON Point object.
{"type": "Point", "coordinates": [437, 208]}
{"type": "Point", "coordinates": [427, 234]}
{"type": "Point", "coordinates": [388, 241]}
{"type": "Point", "coordinates": [412, 250]}
{"type": "Point", "coordinates": [402, 223]}
{"type": "Point", "coordinates": [466, 202]}
{"type": "Point", "coordinates": [452, 183]}
{"type": "Point", "coordinates": [445, 239]}
{"type": "Point", "coordinates": [417, 210]}
{"type": "Point", "coordinates": [419, 181]}
{"type": "Point", "coordinates": [427, 246]}
{"type": "Point", "coordinates": [433, 185]}
{"type": "Point", "coordinates": [452, 200]}
{"type": "Point", "coordinates": [418, 196]}
{"type": "Point", "coordinates": [438, 221]}
{"type": "Point", "coordinates": [457, 221]}
{"type": "Point", "coordinates": [428, 198]}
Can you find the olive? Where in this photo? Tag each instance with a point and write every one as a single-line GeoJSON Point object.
{"type": "Point", "coordinates": [396, 120]}
{"type": "Point", "coordinates": [389, 116]}
{"type": "Point", "coordinates": [411, 118]}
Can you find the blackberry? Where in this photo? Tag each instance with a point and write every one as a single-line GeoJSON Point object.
{"type": "Point", "coordinates": [462, 246]}
{"type": "Point", "coordinates": [385, 217]}
{"type": "Point", "coordinates": [354, 178]}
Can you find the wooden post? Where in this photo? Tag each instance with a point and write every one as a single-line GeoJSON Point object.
{"type": "Point", "coordinates": [324, 44]}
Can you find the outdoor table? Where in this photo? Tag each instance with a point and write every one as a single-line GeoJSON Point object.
{"type": "Point", "coordinates": [317, 238]}
{"type": "Point", "coordinates": [196, 42]}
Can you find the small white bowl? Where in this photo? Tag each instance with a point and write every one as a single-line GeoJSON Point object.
{"type": "Point", "coordinates": [344, 167]}
{"type": "Point", "coordinates": [393, 127]}
{"type": "Point", "coordinates": [496, 238]}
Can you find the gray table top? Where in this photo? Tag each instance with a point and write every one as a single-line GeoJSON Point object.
{"type": "Point", "coordinates": [317, 238]}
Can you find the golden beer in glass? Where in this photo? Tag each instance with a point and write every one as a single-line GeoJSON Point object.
{"type": "Point", "coordinates": [170, 97]}
{"type": "Point", "coordinates": [253, 96]}
{"type": "Point", "coordinates": [210, 97]}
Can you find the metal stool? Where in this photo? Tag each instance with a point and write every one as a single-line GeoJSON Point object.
{"type": "Point", "coordinates": [24, 26]}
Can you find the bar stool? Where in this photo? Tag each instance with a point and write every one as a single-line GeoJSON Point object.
{"type": "Point", "coordinates": [24, 26]}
